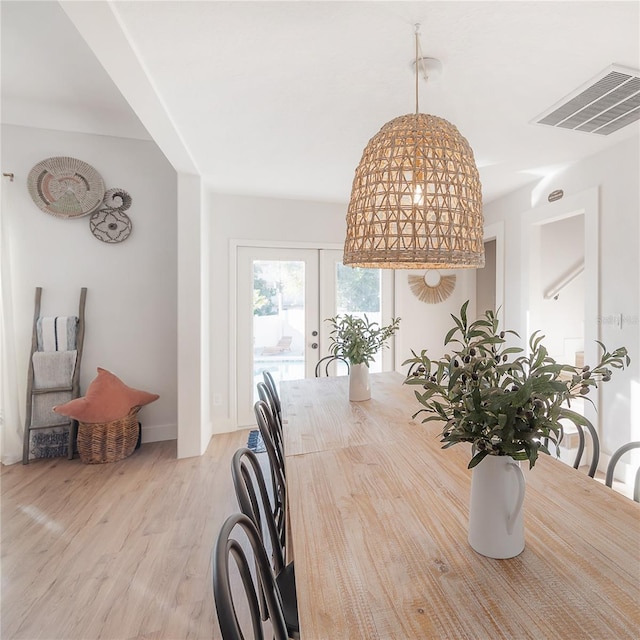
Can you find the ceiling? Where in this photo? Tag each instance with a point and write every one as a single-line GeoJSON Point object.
{"type": "Point", "coordinates": [280, 98]}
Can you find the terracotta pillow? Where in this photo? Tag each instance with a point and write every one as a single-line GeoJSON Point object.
{"type": "Point", "coordinates": [107, 399]}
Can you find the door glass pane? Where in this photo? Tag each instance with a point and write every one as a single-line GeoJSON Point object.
{"type": "Point", "coordinates": [278, 320]}
{"type": "Point", "coordinates": [358, 292]}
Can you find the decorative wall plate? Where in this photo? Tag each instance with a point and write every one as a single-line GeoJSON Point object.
{"type": "Point", "coordinates": [117, 199]}
{"type": "Point", "coordinates": [432, 287]}
{"type": "Point", "coordinates": [110, 223]}
{"type": "Point", "coordinates": [65, 187]}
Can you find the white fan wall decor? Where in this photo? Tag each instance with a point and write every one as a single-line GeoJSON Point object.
{"type": "Point", "coordinates": [432, 287]}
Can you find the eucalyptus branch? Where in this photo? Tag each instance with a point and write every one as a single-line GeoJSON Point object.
{"type": "Point", "coordinates": [503, 402]}
{"type": "Point", "coordinates": [358, 339]}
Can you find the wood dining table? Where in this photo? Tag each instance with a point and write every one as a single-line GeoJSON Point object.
{"type": "Point", "coordinates": [378, 516]}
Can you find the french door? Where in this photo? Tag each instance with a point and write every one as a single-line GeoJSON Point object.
{"type": "Point", "coordinates": [284, 296]}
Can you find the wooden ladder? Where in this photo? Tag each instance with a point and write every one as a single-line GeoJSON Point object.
{"type": "Point", "coordinates": [75, 381]}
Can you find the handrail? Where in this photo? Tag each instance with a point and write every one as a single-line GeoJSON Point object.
{"type": "Point", "coordinates": [555, 290]}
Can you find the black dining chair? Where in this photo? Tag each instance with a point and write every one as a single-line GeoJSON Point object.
{"type": "Point", "coordinates": [230, 545]}
{"type": "Point", "coordinates": [323, 365]}
{"type": "Point", "coordinates": [271, 384]}
{"type": "Point", "coordinates": [595, 448]}
{"type": "Point", "coordinates": [617, 454]}
{"type": "Point", "coordinates": [265, 394]}
{"type": "Point", "coordinates": [275, 452]}
{"type": "Point", "coordinates": [271, 431]}
{"type": "Point", "coordinates": [254, 502]}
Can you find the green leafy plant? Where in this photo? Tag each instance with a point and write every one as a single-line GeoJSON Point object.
{"type": "Point", "coordinates": [358, 339]}
{"type": "Point", "coordinates": [497, 398]}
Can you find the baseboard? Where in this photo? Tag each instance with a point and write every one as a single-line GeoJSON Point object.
{"type": "Point", "coordinates": [11, 459]}
{"type": "Point", "coordinates": [223, 425]}
{"type": "Point", "coordinates": [159, 432]}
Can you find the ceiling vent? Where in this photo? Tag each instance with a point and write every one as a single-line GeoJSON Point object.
{"type": "Point", "coordinates": [603, 105]}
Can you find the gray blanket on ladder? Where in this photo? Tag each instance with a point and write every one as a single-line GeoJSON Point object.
{"type": "Point", "coordinates": [57, 333]}
{"type": "Point", "coordinates": [51, 369]}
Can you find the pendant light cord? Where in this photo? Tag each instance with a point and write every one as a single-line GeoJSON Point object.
{"type": "Point", "coordinates": [417, 26]}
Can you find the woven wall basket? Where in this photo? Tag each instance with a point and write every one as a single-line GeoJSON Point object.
{"type": "Point", "coordinates": [65, 187]}
{"type": "Point", "coordinates": [108, 441]}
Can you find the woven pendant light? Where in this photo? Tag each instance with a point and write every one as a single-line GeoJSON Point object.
{"type": "Point", "coordinates": [416, 200]}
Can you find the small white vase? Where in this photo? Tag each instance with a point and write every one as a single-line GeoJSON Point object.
{"type": "Point", "coordinates": [496, 527]}
{"type": "Point", "coordinates": [359, 387]}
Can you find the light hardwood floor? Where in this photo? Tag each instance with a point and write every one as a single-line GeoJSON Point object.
{"type": "Point", "coordinates": [120, 550]}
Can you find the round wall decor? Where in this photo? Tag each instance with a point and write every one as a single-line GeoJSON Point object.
{"type": "Point", "coordinates": [110, 223]}
{"type": "Point", "coordinates": [65, 187]}
{"type": "Point", "coordinates": [432, 287]}
{"type": "Point", "coordinates": [117, 199]}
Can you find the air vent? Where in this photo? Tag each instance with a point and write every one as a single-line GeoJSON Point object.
{"type": "Point", "coordinates": [603, 105]}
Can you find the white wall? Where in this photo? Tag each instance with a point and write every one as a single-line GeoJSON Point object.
{"type": "Point", "coordinates": [424, 326]}
{"type": "Point", "coordinates": [615, 173]}
{"type": "Point", "coordinates": [194, 425]}
{"type": "Point", "coordinates": [486, 279]}
{"type": "Point", "coordinates": [562, 320]}
{"type": "Point", "coordinates": [131, 313]}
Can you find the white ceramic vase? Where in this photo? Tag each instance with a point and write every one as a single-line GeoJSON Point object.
{"type": "Point", "coordinates": [496, 527]}
{"type": "Point", "coordinates": [359, 387]}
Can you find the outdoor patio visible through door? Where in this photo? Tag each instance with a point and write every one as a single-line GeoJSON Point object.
{"type": "Point", "coordinates": [283, 297]}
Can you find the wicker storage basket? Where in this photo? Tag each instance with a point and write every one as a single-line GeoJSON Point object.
{"type": "Point", "coordinates": [108, 441]}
